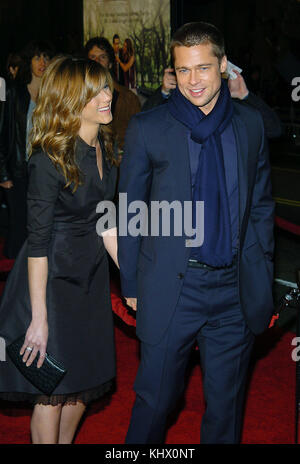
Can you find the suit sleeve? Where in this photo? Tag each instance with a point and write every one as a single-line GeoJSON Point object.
{"type": "Point", "coordinates": [154, 100]}
{"type": "Point", "coordinates": [135, 182]}
{"type": "Point", "coordinates": [270, 118]}
{"type": "Point", "coordinates": [262, 210]}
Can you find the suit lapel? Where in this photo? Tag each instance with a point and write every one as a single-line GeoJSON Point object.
{"type": "Point", "coordinates": [241, 137]}
{"type": "Point", "coordinates": [177, 143]}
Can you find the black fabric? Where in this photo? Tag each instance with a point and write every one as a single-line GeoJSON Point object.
{"type": "Point", "coordinates": [13, 133]}
{"type": "Point", "coordinates": [17, 218]}
{"type": "Point", "coordinates": [62, 226]}
{"type": "Point", "coordinates": [84, 397]}
{"type": "Point", "coordinates": [13, 164]}
{"type": "Point", "coordinates": [272, 123]}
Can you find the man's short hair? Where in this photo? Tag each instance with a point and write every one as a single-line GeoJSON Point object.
{"type": "Point", "coordinates": [103, 44]}
{"type": "Point", "coordinates": [198, 33]}
{"type": "Point", "coordinates": [116, 36]}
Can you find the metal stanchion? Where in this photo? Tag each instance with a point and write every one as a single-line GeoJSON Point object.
{"type": "Point", "coordinates": [296, 298]}
{"type": "Point", "coordinates": [292, 300]}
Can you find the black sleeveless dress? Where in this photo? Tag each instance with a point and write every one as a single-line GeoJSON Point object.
{"type": "Point", "coordinates": [62, 226]}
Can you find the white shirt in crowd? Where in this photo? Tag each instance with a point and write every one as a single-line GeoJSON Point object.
{"type": "Point", "coordinates": [2, 89]}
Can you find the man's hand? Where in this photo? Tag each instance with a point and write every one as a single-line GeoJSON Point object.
{"type": "Point", "coordinates": [237, 87]}
{"type": "Point", "coordinates": [131, 302]}
{"type": "Point", "coordinates": [7, 184]}
{"type": "Point", "coordinates": [169, 80]}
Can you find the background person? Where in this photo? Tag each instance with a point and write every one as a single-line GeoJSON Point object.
{"type": "Point", "coordinates": [14, 62]}
{"type": "Point", "coordinates": [118, 72]}
{"type": "Point", "coordinates": [125, 103]}
{"type": "Point", "coordinates": [127, 63]}
{"type": "Point", "coordinates": [20, 102]}
{"type": "Point", "coordinates": [58, 291]}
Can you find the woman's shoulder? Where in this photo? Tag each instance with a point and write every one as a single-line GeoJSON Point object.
{"type": "Point", "coordinates": [39, 156]}
{"type": "Point", "coordinates": [41, 161]}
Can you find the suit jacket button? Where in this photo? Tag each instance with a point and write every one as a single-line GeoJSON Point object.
{"type": "Point", "coordinates": [180, 276]}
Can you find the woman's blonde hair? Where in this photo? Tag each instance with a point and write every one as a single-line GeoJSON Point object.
{"type": "Point", "coordinates": [67, 86]}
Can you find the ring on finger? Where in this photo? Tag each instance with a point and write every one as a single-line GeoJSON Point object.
{"type": "Point", "coordinates": [29, 348]}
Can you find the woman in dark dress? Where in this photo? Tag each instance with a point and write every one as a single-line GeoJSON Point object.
{"type": "Point", "coordinates": [58, 291]}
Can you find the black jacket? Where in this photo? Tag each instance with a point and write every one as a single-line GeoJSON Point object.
{"type": "Point", "coordinates": [13, 133]}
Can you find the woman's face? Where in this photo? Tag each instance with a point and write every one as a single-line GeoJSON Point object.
{"type": "Point", "coordinates": [98, 110]}
{"type": "Point", "coordinates": [39, 64]}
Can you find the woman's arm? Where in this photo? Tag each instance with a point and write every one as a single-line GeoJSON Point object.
{"type": "Point", "coordinates": [111, 244]}
{"type": "Point", "coordinates": [43, 190]}
{"type": "Point", "coordinates": [37, 332]}
{"type": "Point", "coordinates": [126, 66]}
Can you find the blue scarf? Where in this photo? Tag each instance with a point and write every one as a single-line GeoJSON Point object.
{"type": "Point", "coordinates": [210, 182]}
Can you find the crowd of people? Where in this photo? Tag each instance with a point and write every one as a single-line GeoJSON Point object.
{"type": "Point", "coordinates": [73, 133]}
{"type": "Point", "coordinates": [24, 74]}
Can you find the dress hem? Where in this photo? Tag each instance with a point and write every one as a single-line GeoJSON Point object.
{"type": "Point", "coordinates": [69, 398]}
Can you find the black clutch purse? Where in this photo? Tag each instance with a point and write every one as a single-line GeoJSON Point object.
{"type": "Point", "coordinates": [45, 378]}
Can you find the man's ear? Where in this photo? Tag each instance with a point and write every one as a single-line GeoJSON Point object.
{"type": "Point", "coordinates": [109, 65]}
{"type": "Point", "coordinates": [223, 64]}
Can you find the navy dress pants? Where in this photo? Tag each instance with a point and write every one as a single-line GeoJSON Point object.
{"type": "Point", "coordinates": [208, 311]}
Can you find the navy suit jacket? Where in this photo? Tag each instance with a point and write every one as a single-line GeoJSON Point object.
{"type": "Point", "coordinates": [155, 167]}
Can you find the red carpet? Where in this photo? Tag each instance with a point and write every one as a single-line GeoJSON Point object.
{"type": "Point", "coordinates": [269, 414]}
{"type": "Point", "coordinates": [270, 406]}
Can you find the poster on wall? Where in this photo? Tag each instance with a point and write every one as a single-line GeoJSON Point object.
{"type": "Point", "coordinates": [139, 31]}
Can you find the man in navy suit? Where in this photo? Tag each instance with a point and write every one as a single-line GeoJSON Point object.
{"type": "Point", "coordinates": [200, 148]}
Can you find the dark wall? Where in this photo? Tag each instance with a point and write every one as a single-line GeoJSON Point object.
{"type": "Point", "coordinates": [259, 36]}
{"type": "Point", "coordinates": [255, 30]}
{"type": "Point", "coordinates": [60, 21]}
{"type": "Point", "coordinates": [237, 20]}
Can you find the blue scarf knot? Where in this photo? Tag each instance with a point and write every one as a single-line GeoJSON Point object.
{"type": "Point", "coordinates": [210, 183]}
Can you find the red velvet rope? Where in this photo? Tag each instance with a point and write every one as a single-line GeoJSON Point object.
{"type": "Point", "coordinates": [118, 305]}
{"type": "Point", "coordinates": [286, 225]}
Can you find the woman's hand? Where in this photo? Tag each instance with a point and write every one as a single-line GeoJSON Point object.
{"type": "Point", "coordinates": [35, 341]}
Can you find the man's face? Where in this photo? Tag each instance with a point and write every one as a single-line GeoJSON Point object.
{"type": "Point", "coordinates": [99, 55]}
{"type": "Point", "coordinates": [198, 73]}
